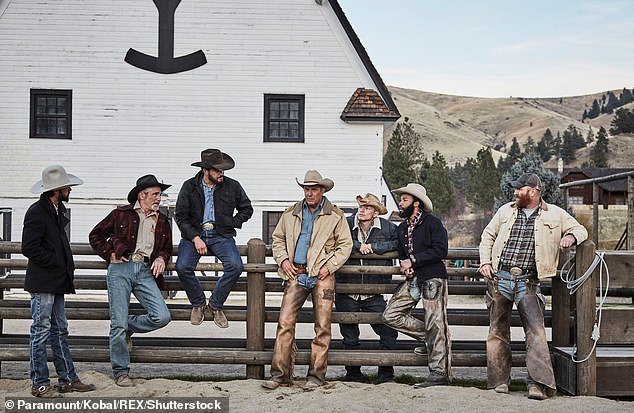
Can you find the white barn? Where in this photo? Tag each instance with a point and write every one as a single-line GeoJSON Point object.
{"type": "Point", "coordinates": [94, 85]}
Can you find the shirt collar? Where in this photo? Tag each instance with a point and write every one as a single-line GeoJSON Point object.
{"type": "Point", "coordinates": [376, 222]}
{"type": "Point", "coordinates": [139, 210]}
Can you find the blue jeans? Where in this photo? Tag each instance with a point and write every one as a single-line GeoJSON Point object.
{"type": "Point", "coordinates": [49, 321]}
{"type": "Point", "coordinates": [124, 279]}
{"type": "Point", "coordinates": [510, 287]}
{"type": "Point", "coordinates": [222, 247]}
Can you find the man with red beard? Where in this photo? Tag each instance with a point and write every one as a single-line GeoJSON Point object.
{"type": "Point", "coordinates": [520, 247]}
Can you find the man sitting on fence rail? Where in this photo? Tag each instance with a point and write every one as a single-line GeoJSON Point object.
{"type": "Point", "coordinates": [370, 235]}
{"type": "Point", "coordinates": [136, 241]}
{"type": "Point", "coordinates": [49, 275]}
{"type": "Point", "coordinates": [519, 247]}
{"type": "Point", "coordinates": [310, 242]}
{"type": "Point", "coordinates": [205, 215]}
{"type": "Point", "coordinates": [422, 247]}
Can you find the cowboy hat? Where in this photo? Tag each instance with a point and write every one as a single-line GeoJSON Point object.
{"type": "Point", "coordinates": [146, 181]}
{"type": "Point", "coordinates": [214, 158]}
{"type": "Point", "coordinates": [371, 200]}
{"type": "Point", "coordinates": [55, 177]}
{"type": "Point", "coordinates": [418, 191]}
{"type": "Point", "coordinates": [313, 178]}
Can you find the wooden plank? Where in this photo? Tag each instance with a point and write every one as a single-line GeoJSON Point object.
{"type": "Point", "coordinates": [617, 326]}
{"type": "Point", "coordinates": [561, 321]}
{"type": "Point", "coordinates": [621, 267]}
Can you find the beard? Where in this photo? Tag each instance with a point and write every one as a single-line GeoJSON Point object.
{"type": "Point", "coordinates": [406, 212]}
{"type": "Point", "coordinates": [522, 200]}
{"type": "Point", "coordinates": [64, 196]}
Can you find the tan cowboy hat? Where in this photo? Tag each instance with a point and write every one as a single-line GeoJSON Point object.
{"type": "Point", "coordinates": [146, 181]}
{"type": "Point", "coordinates": [419, 192]}
{"type": "Point", "coordinates": [313, 178]}
{"type": "Point", "coordinates": [214, 158]}
{"type": "Point", "coordinates": [372, 200]}
{"type": "Point", "coordinates": [55, 177]}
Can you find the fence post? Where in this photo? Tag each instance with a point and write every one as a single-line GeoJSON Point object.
{"type": "Point", "coordinates": [561, 328]}
{"type": "Point", "coordinates": [256, 289]}
{"type": "Point", "coordinates": [586, 307]}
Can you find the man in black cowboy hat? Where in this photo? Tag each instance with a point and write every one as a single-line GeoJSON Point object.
{"type": "Point", "coordinates": [205, 216]}
{"type": "Point", "coordinates": [49, 275]}
{"type": "Point", "coordinates": [136, 241]}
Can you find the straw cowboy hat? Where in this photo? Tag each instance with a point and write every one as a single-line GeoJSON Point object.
{"type": "Point", "coordinates": [371, 200]}
{"type": "Point", "coordinates": [55, 177]}
{"type": "Point", "coordinates": [313, 178]}
{"type": "Point", "coordinates": [214, 158]}
{"type": "Point", "coordinates": [146, 181]}
{"type": "Point", "coordinates": [419, 192]}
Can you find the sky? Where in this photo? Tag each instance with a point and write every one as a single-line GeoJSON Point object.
{"type": "Point", "coordinates": [499, 48]}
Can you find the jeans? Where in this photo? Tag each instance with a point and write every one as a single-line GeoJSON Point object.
{"type": "Point", "coordinates": [350, 332]}
{"type": "Point", "coordinates": [49, 321]}
{"type": "Point", "coordinates": [124, 279]}
{"type": "Point", "coordinates": [222, 247]}
{"type": "Point", "coordinates": [511, 287]}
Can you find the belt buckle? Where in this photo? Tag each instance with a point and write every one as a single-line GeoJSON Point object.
{"type": "Point", "coordinates": [515, 271]}
{"type": "Point", "coordinates": [208, 226]}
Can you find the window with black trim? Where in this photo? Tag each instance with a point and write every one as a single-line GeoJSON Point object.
{"type": "Point", "coordinates": [51, 113]}
{"type": "Point", "coordinates": [283, 118]}
{"type": "Point", "coordinates": [269, 222]}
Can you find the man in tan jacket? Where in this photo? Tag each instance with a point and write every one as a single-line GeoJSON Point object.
{"type": "Point", "coordinates": [311, 242]}
{"type": "Point", "coordinates": [520, 247]}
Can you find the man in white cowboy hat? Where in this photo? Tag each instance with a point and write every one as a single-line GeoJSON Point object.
{"type": "Point", "coordinates": [50, 275]}
{"type": "Point", "coordinates": [209, 208]}
{"type": "Point", "coordinates": [518, 248]}
{"type": "Point", "coordinates": [136, 242]}
{"type": "Point", "coordinates": [422, 247]}
{"type": "Point", "coordinates": [370, 235]}
{"type": "Point", "coordinates": [310, 242]}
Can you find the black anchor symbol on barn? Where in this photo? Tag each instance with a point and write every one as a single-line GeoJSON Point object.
{"type": "Point", "coordinates": [166, 62]}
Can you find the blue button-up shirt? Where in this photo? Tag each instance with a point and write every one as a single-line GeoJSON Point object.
{"type": "Point", "coordinates": [209, 215]}
{"type": "Point", "coordinates": [303, 242]}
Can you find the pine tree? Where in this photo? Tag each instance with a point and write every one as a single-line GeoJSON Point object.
{"type": "Point", "coordinates": [531, 163]}
{"type": "Point", "coordinates": [438, 184]}
{"type": "Point", "coordinates": [599, 153]}
{"type": "Point", "coordinates": [590, 136]}
{"type": "Point", "coordinates": [512, 156]}
{"type": "Point", "coordinates": [545, 145]}
{"type": "Point", "coordinates": [595, 110]}
{"type": "Point", "coordinates": [482, 189]}
{"type": "Point", "coordinates": [403, 157]}
{"type": "Point", "coordinates": [530, 146]}
{"type": "Point", "coordinates": [623, 122]}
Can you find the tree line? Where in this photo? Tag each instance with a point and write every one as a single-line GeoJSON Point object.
{"type": "Point", "coordinates": [608, 104]}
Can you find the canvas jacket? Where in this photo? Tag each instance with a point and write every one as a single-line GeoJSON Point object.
{"type": "Point", "coordinates": [228, 196]}
{"type": "Point", "coordinates": [383, 240]}
{"type": "Point", "coordinates": [44, 243]}
{"type": "Point", "coordinates": [330, 242]}
{"type": "Point", "coordinates": [551, 225]}
{"type": "Point", "coordinates": [117, 233]}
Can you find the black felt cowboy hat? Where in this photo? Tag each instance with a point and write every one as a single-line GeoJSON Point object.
{"type": "Point", "coordinates": [146, 181]}
{"type": "Point", "coordinates": [214, 158]}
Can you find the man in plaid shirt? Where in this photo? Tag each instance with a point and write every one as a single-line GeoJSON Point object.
{"type": "Point", "coordinates": [519, 247]}
{"type": "Point", "coordinates": [136, 242]}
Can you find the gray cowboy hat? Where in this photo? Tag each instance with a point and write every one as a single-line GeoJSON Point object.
{"type": "Point", "coordinates": [55, 177]}
{"type": "Point", "coordinates": [313, 178]}
{"type": "Point", "coordinates": [146, 181]}
{"type": "Point", "coordinates": [214, 158]}
{"type": "Point", "coordinates": [373, 201]}
{"type": "Point", "coordinates": [419, 192]}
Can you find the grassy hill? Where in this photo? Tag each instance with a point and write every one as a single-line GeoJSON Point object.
{"type": "Point", "coordinates": [458, 126]}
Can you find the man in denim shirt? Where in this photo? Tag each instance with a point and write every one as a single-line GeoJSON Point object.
{"type": "Point", "coordinates": [311, 242]}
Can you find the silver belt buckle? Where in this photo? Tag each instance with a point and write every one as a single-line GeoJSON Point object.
{"type": "Point", "coordinates": [208, 226]}
{"type": "Point", "coordinates": [515, 271]}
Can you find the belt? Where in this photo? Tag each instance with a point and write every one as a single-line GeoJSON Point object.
{"type": "Point", "coordinates": [516, 271]}
{"type": "Point", "coordinates": [301, 268]}
{"type": "Point", "coordinates": [208, 226]}
{"type": "Point", "coordinates": [137, 258]}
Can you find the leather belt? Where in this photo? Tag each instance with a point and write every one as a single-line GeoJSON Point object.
{"type": "Point", "coordinates": [208, 226]}
{"type": "Point", "coordinates": [137, 258]}
{"type": "Point", "coordinates": [517, 271]}
{"type": "Point", "coordinates": [301, 268]}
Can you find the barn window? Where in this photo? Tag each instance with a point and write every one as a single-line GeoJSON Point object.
{"type": "Point", "coordinates": [283, 118]}
{"type": "Point", "coordinates": [269, 222]}
{"type": "Point", "coordinates": [51, 112]}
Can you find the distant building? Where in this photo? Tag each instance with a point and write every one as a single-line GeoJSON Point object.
{"type": "Point", "coordinates": [610, 193]}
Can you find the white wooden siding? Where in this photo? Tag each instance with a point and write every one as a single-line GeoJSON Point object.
{"type": "Point", "coordinates": [128, 122]}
